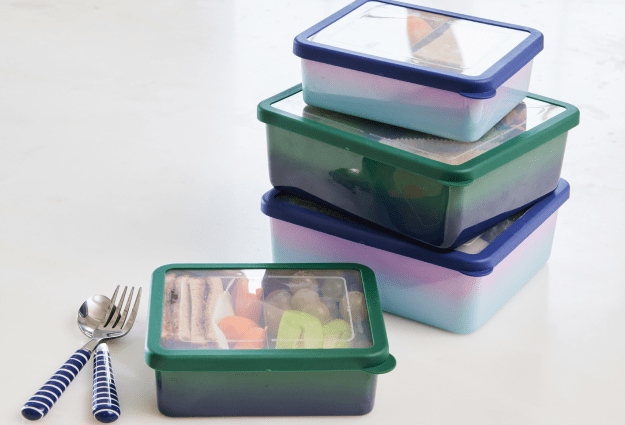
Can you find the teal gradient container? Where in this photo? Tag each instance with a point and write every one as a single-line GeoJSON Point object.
{"type": "Point", "coordinates": [438, 72]}
{"type": "Point", "coordinates": [266, 339]}
{"type": "Point", "coordinates": [457, 290]}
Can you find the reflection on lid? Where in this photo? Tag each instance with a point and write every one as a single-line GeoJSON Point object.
{"type": "Point", "coordinates": [264, 309]}
{"type": "Point", "coordinates": [428, 39]}
{"type": "Point", "coordinates": [527, 115]}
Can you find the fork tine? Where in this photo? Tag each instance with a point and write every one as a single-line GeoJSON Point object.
{"type": "Point", "coordinates": [118, 308]}
{"type": "Point", "coordinates": [133, 313]}
{"type": "Point", "coordinates": [122, 319]}
{"type": "Point", "coordinates": [110, 310]}
{"type": "Point", "coordinates": [114, 317]}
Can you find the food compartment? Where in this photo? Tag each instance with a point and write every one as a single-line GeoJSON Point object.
{"type": "Point", "coordinates": [319, 309]}
{"type": "Point", "coordinates": [264, 309]}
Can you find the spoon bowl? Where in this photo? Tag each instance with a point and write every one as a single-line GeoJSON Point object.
{"type": "Point", "coordinates": [92, 313]}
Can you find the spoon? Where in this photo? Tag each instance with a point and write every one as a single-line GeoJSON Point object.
{"type": "Point", "coordinates": [90, 316]}
{"type": "Point", "coordinates": [105, 405]}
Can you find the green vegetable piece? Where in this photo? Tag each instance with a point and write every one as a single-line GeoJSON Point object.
{"type": "Point", "coordinates": [299, 330]}
{"type": "Point", "coordinates": [337, 334]}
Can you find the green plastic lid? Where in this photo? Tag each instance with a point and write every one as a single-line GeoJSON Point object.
{"type": "Point", "coordinates": [532, 123]}
{"type": "Point", "coordinates": [266, 317]}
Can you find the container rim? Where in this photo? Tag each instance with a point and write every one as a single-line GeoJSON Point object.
{"type": "Point", "coordinates": [375, 359]}
{"type": "Point", "coordinates": [362, 232]}
{"type": "Point", "coordinates": [450, 175]}
{"type": "Point", "coordinates": [481, 86]}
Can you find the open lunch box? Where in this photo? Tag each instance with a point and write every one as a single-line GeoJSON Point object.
{"type": "Point", "coordinates": [266, 339]}
{"type": "Point", "coordinates": [442, 73]}
{"type": "Point", "coordinates": [456, 290]}
{"type": "Point", "coordinates": [433, 190]}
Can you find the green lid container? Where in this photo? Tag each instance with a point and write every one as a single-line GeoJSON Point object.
{"type": "Point", "coordinates": [266, 339]}
{"type": "Point", "coordinates": [437, 191]}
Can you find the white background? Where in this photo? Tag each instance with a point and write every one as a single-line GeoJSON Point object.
{"type": "Point", "coordinates": [129, 140]}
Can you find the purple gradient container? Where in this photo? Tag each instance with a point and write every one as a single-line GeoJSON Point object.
{"type": "Point", "coordinates": [457, 290]}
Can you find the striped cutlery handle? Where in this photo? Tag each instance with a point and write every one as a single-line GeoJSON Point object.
{"type": "Point", "coordinates": [105, 405]}
{"type": "Point", "coordinates": [43, 400]}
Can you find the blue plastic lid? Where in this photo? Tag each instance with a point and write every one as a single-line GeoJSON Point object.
{"type": "Point", "coordinates": [497, 243]}
{"type": "Point", "coordinates": [444, 50]}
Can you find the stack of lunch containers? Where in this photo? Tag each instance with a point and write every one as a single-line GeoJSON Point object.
{"type": "Point", "coordinates": [413, 147]}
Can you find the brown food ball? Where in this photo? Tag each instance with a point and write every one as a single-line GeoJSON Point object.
{"type": "Point", "coordinates": [319, 310]}
{"type": "Point", "coordinates": [279, 298]}
{"type": "Point", "coordinates": [355, 303]}
{"type": "Point", "coordinates": [333, 307]}
{"type": "Point", "coordinates": [276, 303]}
{"type": "Point", "coordinates": [333, 288]}
{"type": "Point", "coordinates": [303, 279]}
{"type": "Point", "coordinates": [304, 297]}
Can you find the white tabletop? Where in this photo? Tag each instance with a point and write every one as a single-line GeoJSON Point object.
{"type": "Point", "coordinates": [129, 140]}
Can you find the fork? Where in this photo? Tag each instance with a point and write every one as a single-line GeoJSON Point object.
{"type": "Point", "coordinates": [114, 325]}
{"type": "Point", "coordinates": [105, 404]}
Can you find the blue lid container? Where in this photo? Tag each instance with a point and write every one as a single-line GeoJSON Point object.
{"type": "Point", "coordinates": [455, 290]}
{"type": "Point", "coordinates": [404, 64]}
{"type": "Point", "coordinates": [452, 76]}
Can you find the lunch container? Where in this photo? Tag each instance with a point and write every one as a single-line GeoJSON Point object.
{"type": "Point", "coordinates": [457, 290]}
{"type": "Point", "coordinates": [433, 190]}
{"type": "Point", "coordinates": [266, 339]}
{"type": "Point", "coordinates": [438, 72]}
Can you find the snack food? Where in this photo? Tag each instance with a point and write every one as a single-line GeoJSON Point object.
{"type": "Point", "coordinates": [337, 334]}
{"type": "Point", "coordinates": [299, 330]}
{"type": "Point", "coordinates": [280, 310]}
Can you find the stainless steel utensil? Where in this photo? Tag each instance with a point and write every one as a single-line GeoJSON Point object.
{"type": "Point", "coordinates": [117, 323]}
{"type": "Point", "coordinates": [105, 403]}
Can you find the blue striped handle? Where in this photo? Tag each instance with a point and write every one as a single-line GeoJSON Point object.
{"type": "Point", "coordinates": [43, 400]}
{"type": "Point", "coordinates": [105, 406]}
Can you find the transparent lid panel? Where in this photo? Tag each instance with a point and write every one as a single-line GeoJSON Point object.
{"type": "Point", "coordinates": [479, 243]}
{"type": "Point", "coordinates": [525, 116]}
{"type": "Point", "coordinates": [264, 309]}
{"type": "Point", "coordinates": [437, 41]}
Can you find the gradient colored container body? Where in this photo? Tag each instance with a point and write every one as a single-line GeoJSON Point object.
{"type": "Point", "coordinates": [441, 73]}
{"type": "Point", "coordinates": [287, 361]}
{"type": "Point", "coordinates": [457, 291]}
{"type": "Point", "coordinates": [435, 191]}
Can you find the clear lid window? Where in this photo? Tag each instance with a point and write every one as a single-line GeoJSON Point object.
{"type": "Point", "coordinates": [264, 309]}
{"type": "Point", "coordinates": [479, 243]}
{"type": "Point", "coordinates": [525, 116]}
{"type": "Point", "coordinates": [387, 31]}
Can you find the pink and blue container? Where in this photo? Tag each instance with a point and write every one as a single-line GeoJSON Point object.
{"type": "Point", "coordinates": [442, 73]}
{"type": "Point", "coordinates": [456, 290]}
